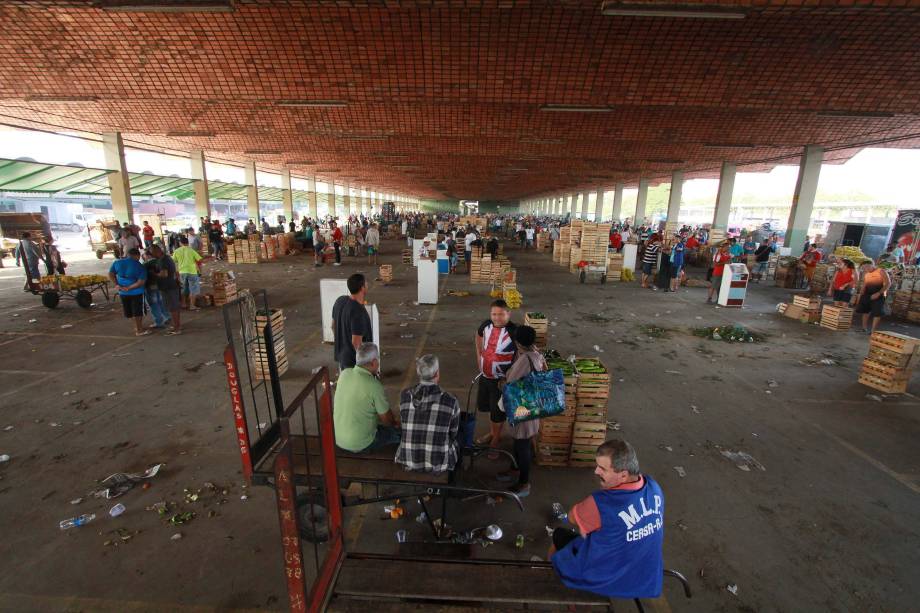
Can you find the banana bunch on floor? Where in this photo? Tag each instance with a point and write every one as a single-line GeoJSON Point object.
{"type": "Point", "coordinates": [513, 298]}
{"type": "Point", "coordinates": [627, 275]}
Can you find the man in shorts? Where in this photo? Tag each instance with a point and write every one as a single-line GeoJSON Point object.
{"type": "Point", "coordinates": [372, 238]}
{"type": "Point", "coordinates": [677, 263]}
{"type": "Point", "coordinates": [719, 260]}
{"type": "Point", "coordinates": [129, 276]}
{"type": "Point", "coordinates": [494, 354]}
{"type": "Point", "coordinates": [187, 261]}
{"type": "Point", "coordinates": [168, 285]}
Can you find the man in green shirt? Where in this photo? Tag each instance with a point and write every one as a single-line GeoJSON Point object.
{"type": "Point", "coordinates": [361, 413]}
{"type": "Point", "coordinates": [187, 261]}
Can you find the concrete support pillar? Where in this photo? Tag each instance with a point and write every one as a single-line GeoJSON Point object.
{"type": "Point", "coordinates": [677, 187]}
{"type": "Point", "coordinates": [599, 205]}
{"type": "Point", "coordinates": [803, 200]}
{"type": "Point", "coordinates": [252, 192]}
{"type": "Point", "coordinates": [200, 185]}
{"type": "Point", "coordinates": [311, 190]}
{"type": "Point", "coordinates": [617, 203]}
{"type": "Point", "coordinates": [349, 210]}
{"type": "Point", "coordinates": [287, 195]}
{"type": "Point", "coordinates": [724, 196]}
{"type": "Point", "coordinates": [641, 197]}
{"type": "Point", "coordinates": [584, 205]}
{"type": "Point", "coordinates": [119, 185]}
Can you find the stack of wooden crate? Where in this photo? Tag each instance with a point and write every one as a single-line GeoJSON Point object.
{"type": "Point", "coordinates": [205, 244]}
{"type": "Point", "coordinates": [223, 287]}
{"type": "Point", "coordinates": [386, 273]}
{"type": "Point", "coordinates": [574, 258]}
{"type": "Point", "coordinates": [590, 429]}
{"type": "Point", "coordinates": [269, 248]}
{"type": "Point", "coordinates": [890, 362]}
{"type": "Point", "coordinates": [259, 351]}
{"type": "Point", "coordinates": [543, 242]}
{"type": "Point", "coordinates": [901, 304]}
{"type": "Point", "coordinates": [244, 251]}
{"type": "Point", "coordinates": [819, 280]}
{"type": "Point", "coordinates": [810, 308]}
{"type": "Point", "coordinates": [554, 442]}
{"type": "Point", "coordinates": [406, 256]}
{"type": "Point", "coordinates": [614, 266]}
{"type": "Point", "coordinates": [836, 317]}
{"type": "Point", "coordinates": [540, 324]}
{"type": "Point", "coordinates": [595, 237]}
{"type": "Point", "coordinates": [481, 270]}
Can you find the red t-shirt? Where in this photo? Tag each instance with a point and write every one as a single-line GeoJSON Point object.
{"type": "Point", "coordinates": [337, 235]}
{"type": "Point", "coordinates": [692, 243]}
{"type": "Point", "coordinates": [842, 278]}
{"type": "Point", "coordinates": [616, 241]}
{"type": "Point", "coordinates": [148, 233]}
{"type": "Point", "coordinates": [586, 515]}
{"type": "Point", "coordinates": [810, 258]}
{"type": "Point", "coordinates": [718, 263]}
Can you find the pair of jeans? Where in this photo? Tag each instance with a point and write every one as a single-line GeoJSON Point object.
{"type": "Point", "coordinates": [386, 435]}
{"type": "Point", "coordinates": [523, 455]}
{"type": "Point", "coordinates": [338, 253]}
{"type": "Point", "coordinates": [157, 308]}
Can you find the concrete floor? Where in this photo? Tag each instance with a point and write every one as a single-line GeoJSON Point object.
{"type": "Point", "coordinates": [831, 524]}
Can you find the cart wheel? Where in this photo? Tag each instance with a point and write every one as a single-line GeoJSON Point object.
{"type": "Point", "coordinates": [603, 279]}
{"type": "Point", "coordinates": [313, 518]}
{"type": "Point", "coordinates": [581, 276]}
{"type": "Point", "coordinates": [100, 253]}
{"type": "Point", "coordinates": [84, 298]}
{"type": "Point", "coordinates": [50, 298]}
{"type": "Point", "coordinates": [75, 227]}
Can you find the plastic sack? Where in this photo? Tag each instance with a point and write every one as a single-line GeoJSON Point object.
{"type": "Point", "coordinates": [539, 394]}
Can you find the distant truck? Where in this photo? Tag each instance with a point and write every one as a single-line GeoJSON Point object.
{"type": "Point", "coordinates": [62, 216]}
{"type": "Point", "coordinates": [12, 226]}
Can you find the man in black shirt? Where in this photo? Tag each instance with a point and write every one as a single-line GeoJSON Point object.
{"type": "Point", "coordinates": [350, 322]}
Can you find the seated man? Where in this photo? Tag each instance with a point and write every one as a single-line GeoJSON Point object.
{"type": "Point", "coordinates": [430, 421]}
{"type": "Point", "coordinates": [361, 413]}
{"type": "Point", "coordinates": [617, 550]}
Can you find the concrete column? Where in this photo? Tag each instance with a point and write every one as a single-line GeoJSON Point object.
{"type": "Point", "coordinates": [803, 200]}
{"type": "Point", "coordinates": [252, 193]}
{"type": "Point", "coordinates": [641, 197]}
{"type": "Point", "coordinates": [599, 205]}
{"type": "Point", "coordinates": [119, 185]}
{"type": "Point", "coordinates": [584, 205]}
{"type": "Point", "coordinates": [677, 187]}
{"type": "Point", "coordinates": [200, 184]}
{"type": "Point", "coordinates": [311, 189]}
{"type": "Point", "coordinates": [332, 210]}
{"type": "Point", "coordinates": [617, 203]}
{"type": "Point", "coordinates": [349, 209]}
{"type": "Point", "coordinates": [724, 196]}
{"type": "Point", "coordinates": [287, 195]}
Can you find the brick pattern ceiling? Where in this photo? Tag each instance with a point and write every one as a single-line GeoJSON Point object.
{"type": "Point", "coordinates": [443, 99]}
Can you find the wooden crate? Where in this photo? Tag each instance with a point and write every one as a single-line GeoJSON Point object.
{"type": "Point", "coordinates": [553, 454]}
{"type": "Point", "coordinates": [406, 256]}
{"type": "Point", "coordinates": [887, 379]}
{"type": "Point", "coordinates": [386, 273]}
{"type": "Point", "coordinates": [899, 343]}
{"type": "Point", "coordinates": [836, 318]}
{"type": "Point", "coordinates": [593, 385]}
{"type": "Point", "coordinates": [807, 302]}
{"type": "Point", "coordinates": [582, 456]}
{"type": "Point", "coordinates": [883, 355]}
{"type": "Point", "coordinates": [540, 326]}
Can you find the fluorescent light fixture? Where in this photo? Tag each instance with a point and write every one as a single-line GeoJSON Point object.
{"type": "Point", "coordinates": [626, 9]}
{"type": "Point", "coordinates": [262, 152]}
{"type": "Point", "coordinates": [190, 133]}
{"type": "Point", "coordinates": [53, 98]}
{"type": "Point", "coordinates": [855, 114]}
{"type": "Point", "coordinates": [728, 146]}
{"type": "Point", "coordinates": [314, 104]}
{"type": "Point", "coordinates": [166, 6]}
{"type": "Point", "coordinates": [572, 108]}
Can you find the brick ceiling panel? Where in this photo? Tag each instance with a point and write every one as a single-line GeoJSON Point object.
{"type": "Point", "coordinates": [443, 99]}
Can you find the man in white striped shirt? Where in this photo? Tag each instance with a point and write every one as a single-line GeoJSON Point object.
{"type": "Point", "coordinates": [650, 260]}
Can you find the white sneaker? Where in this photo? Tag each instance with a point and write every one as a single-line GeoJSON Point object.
{"type": "Point", "coordinates": [336, 263]}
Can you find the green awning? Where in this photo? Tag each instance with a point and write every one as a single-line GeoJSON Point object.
{"type": "Point", "coordinates": [29, 176]}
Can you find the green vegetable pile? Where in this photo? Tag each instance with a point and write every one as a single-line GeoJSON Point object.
{"type": "Point", "coordinates": [536, 315]}
{"type": "Point", "coordinates": [555, 361]}
{"type": "Point", "coordinates": [654, 331]}
{"type": "Point", "coordinates": [731, 334]}
{"type": "Point", "coordinates": [589, 366]}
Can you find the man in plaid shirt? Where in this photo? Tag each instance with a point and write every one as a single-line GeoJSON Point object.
{"type": "Point", "coordinates": [430, 420]}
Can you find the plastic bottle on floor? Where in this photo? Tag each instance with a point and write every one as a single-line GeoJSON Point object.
{"type": "Point", "coordinates": [77, 521]}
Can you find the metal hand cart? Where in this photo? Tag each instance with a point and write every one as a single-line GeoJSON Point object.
{"type": "Point", "coordinates": [57, 287]}
{"type": "Point", "coordinates": [593, 270]}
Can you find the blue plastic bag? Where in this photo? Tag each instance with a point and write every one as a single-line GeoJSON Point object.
{"type": "Point", "coordinates": [539, 394]}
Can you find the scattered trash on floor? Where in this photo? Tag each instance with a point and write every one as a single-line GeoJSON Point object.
{"type": "Point", "coordinates": [112, 394]}
{"type": "Point", "coordinates": [733, 333]}
{"type": "Point", "coordinates": [406, 336]}
{"type": "Point", "coordinates": [536, 559]}
{"type": "Point", "coordinates": [772, 383]}
{"type": "Point", "coordinates": [8, 428]}
{"type": "Point", "coordinates": [175, 537]}
{"type": "Point", "coordinates": [65, 326]}
{"type": "Point", "coordinates": [874, 397]}
{"type": "Point", "coordinates": [694, 409]}
{"type": "Point", "coordinates": [742, 460]}
{"type": "Point", "coordinates": [559, 512]}
{"type": "Point", "coordinates": [119, 483]}
{"type": "Point", "coordinates": [32, 321]}
{"type": "Point", "coordinates": [4, 458]}
{"type": "Point", "coordinates": [613, 425]}
{"type": "Point", "coordinates": [458, 292]}
{"type": "Point", "coordinates": [210, 363]}
{"type": "Point", "coordinates": [673, 372]}
{"type": "Point", "coordinates": [680, 471]}
{"type": "Point", "coordinates": [665, 447]}
{"type": "Point", "coordinates": [117, 510]}
{"type": "Point", "coordinates": [598, 349]}
{"type": "Point", "coordinates": [76, 501]}
{"type": "Point", "coordinates": [731, 587]}
{"type": "Point", "coordinates": [177, 354]}
{"type": "Point", "coordinates": [69, 393]}
{"type": "Point", "coordinates": [182, 518]}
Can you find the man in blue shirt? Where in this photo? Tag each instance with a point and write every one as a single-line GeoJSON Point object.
{"type": "Point", "coordinates": [616, 551]}
{"type": "Point", "coordinates": [129, 276]}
